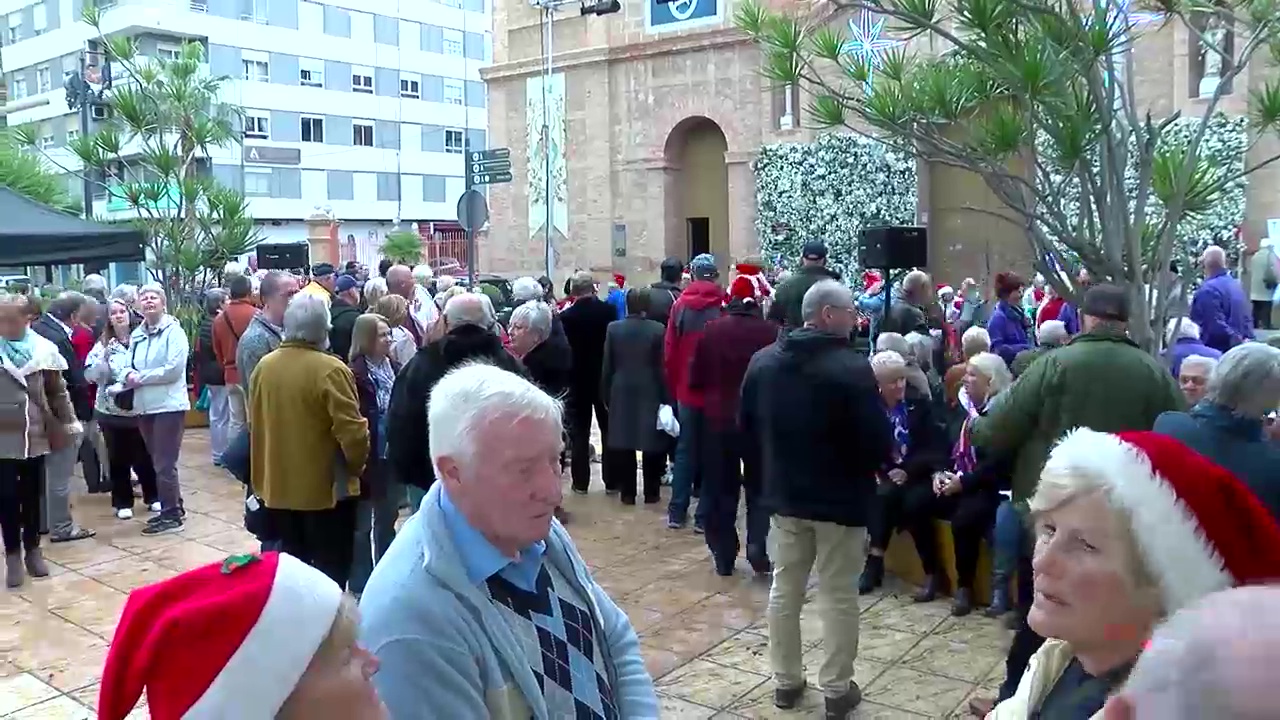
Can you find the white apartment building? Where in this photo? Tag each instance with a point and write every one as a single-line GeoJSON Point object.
{"type": "Point", "coordinates": [358, 107]}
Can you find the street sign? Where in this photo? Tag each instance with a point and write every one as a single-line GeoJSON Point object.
{"type": "Point", "coordinates": [473, 211]}
{"type": "Point", "coordinates": [491, 155]}
{"type": "Point", "coordinates": [492, 166]}
{"type": "Point", "coordinates": [490, 178]}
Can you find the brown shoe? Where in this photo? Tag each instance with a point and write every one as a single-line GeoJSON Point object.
{"type": "Point", "coordinates": [981, 707]}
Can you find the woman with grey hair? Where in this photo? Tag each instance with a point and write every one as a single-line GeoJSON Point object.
{"type": "Point", "coordinates": [158, 350]}
{"type": "Point", "coordinates": [374, 290]}
{"type": "Point", "coordinates": [1228, 426]}
{"type": "Point", "coordinates": [1182, 338]}
{"type": "Point", "coordinates": [129, 294]}
{"type": "Point", "coordinates": [916, 377]}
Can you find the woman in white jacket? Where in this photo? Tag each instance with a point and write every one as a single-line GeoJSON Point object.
{"type": "Point", "coordinates": [108, 363]}
{"type": "Point", "coordinates": [157, 375]}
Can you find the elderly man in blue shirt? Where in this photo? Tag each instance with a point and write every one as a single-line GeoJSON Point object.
{"type": "Point", "coordinates": [482, 607]}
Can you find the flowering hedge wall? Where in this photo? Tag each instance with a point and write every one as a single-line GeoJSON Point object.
{"type": "Point", "coordinates": [829, 190]}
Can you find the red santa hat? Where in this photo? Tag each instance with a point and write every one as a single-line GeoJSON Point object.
{"type": "Point", "coordinates": [619, 280]}
{"type": "Point", "coordinates": [870, 277]}
{"type": "Point", "coordinates": [1198, 528]}
{"type": "Point", "coordinates": [748, 288]}
{"type": "Point", "coordinates": [229, 640]}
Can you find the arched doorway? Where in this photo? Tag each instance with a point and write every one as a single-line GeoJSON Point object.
{"type": "Point", "coordinates": [697, 190]}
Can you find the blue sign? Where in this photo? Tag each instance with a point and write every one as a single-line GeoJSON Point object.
{"type": "Point", "coordinates": [682, 14]}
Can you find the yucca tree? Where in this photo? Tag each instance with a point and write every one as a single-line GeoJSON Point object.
{"type": "Point", "coordinates": [403, 247]}
{"type": "Point", "coordinates": [25, 173]}
{"type": "Point", "coordinates": [1037, 98]}
{"type": "Point", "coordinates": [166, 115]}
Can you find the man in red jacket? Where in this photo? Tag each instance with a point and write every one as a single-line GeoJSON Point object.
{"type": "Point", "coordinates": [732, 462]}
{"type": "Point", "coordinates": [699, 304]}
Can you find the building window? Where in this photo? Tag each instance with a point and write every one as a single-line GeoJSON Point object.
{"type": "Point", "coordinates": [257, 126]}
{"type": "Point", "coordinates": [311, 72]}
{"type": "Point", "coordinates": [72, 135]}
{"type": "Point", "coordinates": [313, 129]}
{"type": "Point", "coordinates": [15, 28]}
{"type": "Point", "coordinates": [257, 183]}
{"type": "Point", "coordinates": [46, 142]}
{"type": "Point", "coordinates": [362, 134]}
{"type": "Point", "coordinates": [168, 53]}
{"type": "Point", "coordinates": [257, 71]}
{"type": "Point", "coordinates": [452, 42]}
{"type": "Point", "coordinates": [453, 141]}
{"type": "Point", "coordinates": [410, 88]}
{"type": "Point", "coordinates": [254, 11]}
{"type": "Point", "coordinates": [362, 82]}
{"type": "Point", "coordinates": [40, 18]}
{"type": "Point", "coordinates": [19, 88]}
{"type": "Point", "coordinates": [453, 92]}
{"type": "Point", "coordinates": [43, 82]}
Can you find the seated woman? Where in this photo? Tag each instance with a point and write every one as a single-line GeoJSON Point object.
{"type": "Point", "coordinates": [904, 493]}
{"type": "Point", "coordinates": [969, 495]}
{"type": "Point", "coordinates": [1130, 528]}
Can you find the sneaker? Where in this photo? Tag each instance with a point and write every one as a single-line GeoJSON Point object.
{"type": "Point", "coordinates": [124, 514]}
{"type": "Point", "coordinates": [787, 698]}
{"type": "Point", "coordinates": [154, 507]}
{"type": "Point", "coordinates": [697, 526]}
{"type": "Point", "coordinates": [162, 525]}
{"type": "Point", "coordinates": [674, 524]}
{"type": "Point", "coordinates": [838, 708]}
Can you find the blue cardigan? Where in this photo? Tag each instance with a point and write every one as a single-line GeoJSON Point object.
{"type": "Point", "coordinates": [1008, 332]}
{"type": "Point", "coordinates": [445, 650]}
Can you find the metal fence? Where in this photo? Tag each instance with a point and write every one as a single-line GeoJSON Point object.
{"type": "Point", "coordinates": [444, 250]}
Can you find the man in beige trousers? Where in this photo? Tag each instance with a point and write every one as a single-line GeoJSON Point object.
{"type": "Point", "coordinates": [811, 403]}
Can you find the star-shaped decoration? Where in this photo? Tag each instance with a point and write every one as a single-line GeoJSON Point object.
{"type": "Point", "coordinates": [866, 44]}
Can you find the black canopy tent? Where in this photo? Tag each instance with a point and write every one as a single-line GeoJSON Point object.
{"type": "Point", "coordinates": [35, 234]}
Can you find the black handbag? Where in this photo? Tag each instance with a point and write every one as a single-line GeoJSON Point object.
{"type": "Point", "coordinates": [124, 398]}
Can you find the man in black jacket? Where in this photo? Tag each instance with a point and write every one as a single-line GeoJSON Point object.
{"type": "Point", "coordinates": [811, 403]}
{"type": "Point", "coordinates": [344, 311]}
{"type": "Point", "coordinates": [666, 291]}
{"type": "Point", "coordinates": [56, 325]}
{"type": "Point", "coordinates": [585, 324]}
{"type": "Point", "coordinates": [470, 337]}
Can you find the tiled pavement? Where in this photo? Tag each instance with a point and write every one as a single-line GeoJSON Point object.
{"type": "Point", "coordinates": [704, 637]}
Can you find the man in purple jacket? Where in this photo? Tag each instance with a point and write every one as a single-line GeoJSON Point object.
{"type": "Point", "coordinates": [1221, 307]}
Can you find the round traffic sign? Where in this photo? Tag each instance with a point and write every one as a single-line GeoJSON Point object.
{"type": "Point", "coordinates": [473, 211]}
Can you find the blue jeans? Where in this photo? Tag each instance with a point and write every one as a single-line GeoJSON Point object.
{"type": "Point", "coordinates": [686, 474]}
{"type": "Point", "coordinates": [1007, 537]}
{"type": "Point", "coordinates": [375, 529]}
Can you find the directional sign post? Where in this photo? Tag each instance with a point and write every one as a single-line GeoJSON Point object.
{"type": "Point", "coordinates": [489, 167]}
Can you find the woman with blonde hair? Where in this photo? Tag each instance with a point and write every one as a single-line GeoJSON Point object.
{"type": "Point", "coordinates": [1130, 528]}
{"type": "Point", "coordinates": [969, 493]}
{"type": "Point", "coordinates": [37, 419]}
{"type": "Point", "coordinates": [284, 646]}
{"type": "Point", "coordinates": [395, 310]}
{"type": "Point", "coordinates": [375, 374]}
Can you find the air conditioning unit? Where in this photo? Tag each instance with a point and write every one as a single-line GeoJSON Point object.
{"type": "Point", "coordinates": [99, 112]}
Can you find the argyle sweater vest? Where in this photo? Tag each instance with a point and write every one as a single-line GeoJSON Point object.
{"type": "Point", "coordinates": [555, 627]}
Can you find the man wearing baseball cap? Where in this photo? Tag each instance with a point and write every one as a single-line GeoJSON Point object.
{"type": "Point", "coordinates": [323, 280]}
{"type": "Point", "coordinates": [343, 313]}
{"type": "Point", "coordinates": [813, 267]}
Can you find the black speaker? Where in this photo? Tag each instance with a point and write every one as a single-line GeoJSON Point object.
{"type": "Point", "coordinates": [893, 248]}
{"type": "Point", "coordinates": [283, 256]}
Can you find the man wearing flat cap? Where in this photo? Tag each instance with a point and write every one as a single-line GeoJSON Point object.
{"type": "Point", "coordinates": [323, 281]}
{"type": "Point", "coordinates": [1100, 380]}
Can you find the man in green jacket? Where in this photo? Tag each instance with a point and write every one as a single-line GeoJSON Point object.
{"type": "Point", "coordinates": [1100, 380]}
{"type": "Point", "coordinates": [813, 267]}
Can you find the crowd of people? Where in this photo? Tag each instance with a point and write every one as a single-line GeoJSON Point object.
{"type": "Point", "coordinates": [1116, 489]}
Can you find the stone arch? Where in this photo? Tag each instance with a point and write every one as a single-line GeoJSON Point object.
{"type": "Point", "coordinates": [696, 190]}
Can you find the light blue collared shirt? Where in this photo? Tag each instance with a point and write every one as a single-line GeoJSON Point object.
{"type": "Point", "coordinates": [482, 560]}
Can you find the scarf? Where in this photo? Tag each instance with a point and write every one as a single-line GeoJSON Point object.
{"type": "Point", "coordinates": [18, 352]}
{"type": "Point", "coordinates": [383, 377]}
{"type": "Point", "coordinates": [901, 433]}
{"type": "Point", "coordinates": [963, 454]}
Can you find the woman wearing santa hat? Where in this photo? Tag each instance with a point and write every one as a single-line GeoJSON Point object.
{"type": "Point", "coordinates": [255, 637]}
{"type": "Point", "coordinates": [1130, 528]}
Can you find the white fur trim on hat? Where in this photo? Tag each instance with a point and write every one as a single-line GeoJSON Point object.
{"type": "Point", "coordinates": [1169, 538]}
{"type": "Point", "coordinates": [267, 666]}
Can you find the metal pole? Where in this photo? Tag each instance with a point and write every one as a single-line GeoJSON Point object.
{"type": "Point", "coordinates": [86, 95]}
{"type": "Point", "coordinates": [470, 228]}
{"type": "Point", "coordinates": [549, 12]}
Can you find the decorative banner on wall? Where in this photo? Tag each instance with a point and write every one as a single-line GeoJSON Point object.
{"type": "Point", "coordinates": [548, 186]}
{"type": "Point", "coordinates": [681, 14]}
